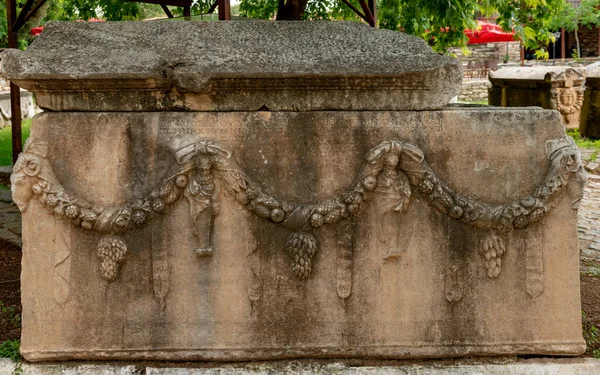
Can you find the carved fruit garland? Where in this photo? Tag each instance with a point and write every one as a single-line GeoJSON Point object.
{"type": "Point", "coordinates": [204, 166]}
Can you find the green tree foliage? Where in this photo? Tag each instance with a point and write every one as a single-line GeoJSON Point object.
{"type": "Point", "coordinates": [571, 17]}
{"type": "Point", "coordinates": [109, 10]}
{"type": "Point", "coordinates": [3, 25]}
{"type": "Point", "coordinates": [264, 9]}
{"type": "Point", "coordinates": [531, 20]}
{"type": "Point", "coordinates": [441, 22]}
{"type": "Point", "coordinates": [70, 10]}
{"type": "Point", "coordinates": [198, 7]}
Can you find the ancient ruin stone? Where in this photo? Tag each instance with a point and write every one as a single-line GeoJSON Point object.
{"type": "Point", "coordinates": [550, 87]}
{"type": "Point", "coordinates": [241, 235]}
{"type": "Point", "coordinates": [236, 66]}
{"type": "Point", "coordinates": [590, 113]}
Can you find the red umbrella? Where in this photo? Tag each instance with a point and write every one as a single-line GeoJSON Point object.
{"type": "Point", "coordinates": [35, 31]}
{"type": "Point", "coordinates": [488, 33]}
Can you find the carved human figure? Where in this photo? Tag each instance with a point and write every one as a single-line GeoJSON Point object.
{"type": "Point", "coordinates": [393, 196]}
{"type": "Point", "coordinates": [568, 102]}
{"type": "Point", "coordinates": [204, 167]}
{"type": "Point", "coordinates": [202, 192]}
{"type": "Point", "coordinates": [202, 159]}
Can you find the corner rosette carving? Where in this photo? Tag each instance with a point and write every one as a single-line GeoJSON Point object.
{"type": "Point", "coordinates": [205, 169]}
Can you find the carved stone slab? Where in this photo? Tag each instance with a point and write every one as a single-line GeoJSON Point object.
{"type": "Point", "coordinates": [231, 66]}
{"type": "Point", "coordinates": [265, 235]}
{"type": "Point", "coordinates": [550, 87]}
{"type": "Point", "coordinates": [590, 113]}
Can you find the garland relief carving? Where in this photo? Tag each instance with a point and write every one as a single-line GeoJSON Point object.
{"type": "Point", "coordinates": [392, 172]}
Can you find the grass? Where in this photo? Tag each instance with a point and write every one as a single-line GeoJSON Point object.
{"type": "Point", "coordinates": [582, 142]}
{"type": "Point", "coordinates": [591, 335]}
{"type": "Point", "coordinates": [11, 315]}
{"type": "Point", "coordinates": [10, 349]}
{"type": "Point", "coordinates": [6, 142]}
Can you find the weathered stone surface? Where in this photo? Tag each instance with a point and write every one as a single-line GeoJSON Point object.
{"type": "Point", "coordinates": [262, 235]}
{"type": "Point", "coordinates": [550, 87]}
{"type": "Point", "coordinates": [593, 167]}
{"type": "Point", "coordinates": [534, 367]}
{"type": "Point", "coordinates": [538, 366]}
{"type": "Point", "coordinates": [7, 367]}
{"type": "Point", "coordinates": [590, 113]}
{"type": "Point", "coordinates": [237, 66]}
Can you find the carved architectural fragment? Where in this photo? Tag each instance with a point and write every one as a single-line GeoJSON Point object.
{"type": "Point", "coordinates": [293, 73]}
{"type": "Point", "coordinates": [551, 87]}
{"type": "Point", "coordinates": [168, 215]}
{"type": "Point", "coordinates": [454, 283]}
{"type": "Point", "coordinates": [345, 249]}
{"type": "Point", "coordinates": [590, 113]}
{"type": "Point", "coordinates": [492, 249]}
{"type": "Point", "coordinates": [333, 241]}
{"type": "Point", "coordinates": [62, 262]}
{"type": "Point", "coordinates": [161, 269]}
{"type": "Point", "coordinates": [534, 262]}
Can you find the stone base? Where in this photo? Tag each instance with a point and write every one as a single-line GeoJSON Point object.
{"type": "Point", "coordinates": [500, 366]}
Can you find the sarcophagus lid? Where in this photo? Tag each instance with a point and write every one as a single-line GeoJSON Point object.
{"type": "Point", "coordinates": [233, 66]}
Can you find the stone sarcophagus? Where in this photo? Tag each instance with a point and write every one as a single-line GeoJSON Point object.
{"type": "Point", "coordinates": [300, 191]}
{"type": "Point", "coordinates": [550, 87]}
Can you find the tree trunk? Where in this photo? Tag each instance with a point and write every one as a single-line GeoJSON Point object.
{"type": "Point", "coordinates": [290, 9]}
{"type": "Point", "coordinates": [34, 21]}
{"type": "Point", "coordinates": [577, 40]}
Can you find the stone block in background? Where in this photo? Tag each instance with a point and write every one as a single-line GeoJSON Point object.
{"type": "Point", "coordinates": [550, 87]}
{"type": "Point", "coordinates": [590, 113]}
{"type": "Point", "coordinates": [28, 108]}
{"type": "Point", "coordinates": [245, 235]}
